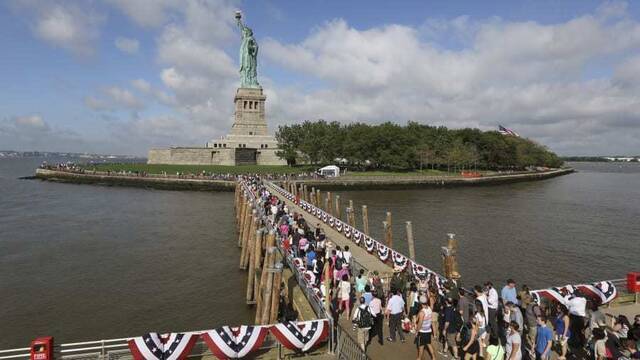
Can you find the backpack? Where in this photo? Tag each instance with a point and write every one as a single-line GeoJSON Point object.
{"type": "Point", "coordinates": [465, 334]}
{"type": "Point", "coordinates": [365, 319]}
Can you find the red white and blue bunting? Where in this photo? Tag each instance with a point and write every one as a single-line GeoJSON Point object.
{"type": "Point", "coordinates": [153, 346]}
{"type": "Point", "coordinates": [369, 244]}
{"type": "Point", "coordinates": [235, 342]}
{"type": "Point", "coordinates": [601, 292]}
{"type": "Point", "coordinates": [399, 261]}
{"type": "Point", "coordinates": [347, 231]}
{"type": "Point", "coordinates": [383, 252]}
{"type": "Point", "coordinates": [357, 236]}
{"type": "Point", "coordinates": [301, 336]}
{"type": "Point", "coordinates": [418, 270]}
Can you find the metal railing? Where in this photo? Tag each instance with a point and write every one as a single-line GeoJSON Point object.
{"type": "Point", "coordinates": [116, 349]}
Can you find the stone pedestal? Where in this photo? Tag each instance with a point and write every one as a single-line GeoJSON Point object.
{"type": "Point", "coordinates": [249, 143]}
{"type": "Point", "coordinates": [249, 118]}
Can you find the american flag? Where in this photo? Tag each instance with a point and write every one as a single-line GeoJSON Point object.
{"type": "Point", "coordinates": [506, 131]}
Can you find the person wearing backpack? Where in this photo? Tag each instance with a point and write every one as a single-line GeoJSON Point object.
{"type": "Point", "coordinates": [363, 319]}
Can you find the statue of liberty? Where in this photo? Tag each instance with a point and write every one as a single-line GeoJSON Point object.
{"type": "Point", "coordinates": [248, 56]}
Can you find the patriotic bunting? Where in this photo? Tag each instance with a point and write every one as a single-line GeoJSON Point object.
{"type": "Point", "coordinates": [418, 270]}
{"type": "Point", "coordinates": [399, 261]}
{"type": "Point", "coordinates": [324, 217]}
{"type": "Point", "coordinates": [369, 243]}
{"type": "Point", "coordinates": [331, 221]}
{"type": "Point", "coordinates": [310, 277]}
{"type": "Point", "coordinates": [339, 225]}
{"type": "Point", "coordinates": [357, 236]}
{"type": "Point", "coordinates": [347, 231]}
{"type": "Point", "coordinates": [235, 342]}
{"type": "Point", "coordinates": [601, 292]}
{"type": "Point", "coordinates": [383, 252]}
{"type": "Point", "coordinates": [299, 264]}
{"type": "Point", "coordinates": [152, 346]}
{"type": "Point", "coordinates": [303, 335]}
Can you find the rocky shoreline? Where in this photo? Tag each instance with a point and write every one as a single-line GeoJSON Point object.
{"type": "Point", "coordinates": [372, 182]}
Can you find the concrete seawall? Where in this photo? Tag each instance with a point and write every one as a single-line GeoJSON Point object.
{"type": "Point", "coordinates": [394, 182]}
{"type": "Point", "coordinates": [359, 183]}
{"type": "Point", "coordinates": [168, 183]}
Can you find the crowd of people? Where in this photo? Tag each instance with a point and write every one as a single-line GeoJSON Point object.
{"type": "Point", "coordinates": [203, 174]}
{"type": "Point", "coordinates": [449, 321]}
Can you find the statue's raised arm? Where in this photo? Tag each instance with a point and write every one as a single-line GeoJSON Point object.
{"type": "Point", "coordinates": [248, 56]}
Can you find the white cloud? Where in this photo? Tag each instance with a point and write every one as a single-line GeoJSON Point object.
{"type": "Point", "coordinates": [32, 132]}
{"type": "Point", "coordinates": [526, 74]}
{"type": "Point", "coordinates": [141, 85]}
{"type": "Point", "coordinates": [69, 25]}
{"type": "Point", "coordinates": [129, 46]}
{"type": "Point", "coordinates": [31, 121]}
{"type": "Point", "coordinates": [147, 13]}
{"type": "Point", "coordinates": [114, 98]}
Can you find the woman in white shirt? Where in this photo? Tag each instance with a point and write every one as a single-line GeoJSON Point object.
{"type": "Point", "coordinates": [514, 342]}
{"type": "Point", "coordinates": [482, 328]}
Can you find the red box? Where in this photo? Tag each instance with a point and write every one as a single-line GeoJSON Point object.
{"type": "Point", "coordinates": [42, 348]}
{"type": "Point", "coordinates": [633, 282]}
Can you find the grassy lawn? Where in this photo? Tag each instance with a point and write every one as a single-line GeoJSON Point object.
{"type": "Point", "coordinates": [425, 172]}
{"type": "Point", "coordinates": [196, 169]}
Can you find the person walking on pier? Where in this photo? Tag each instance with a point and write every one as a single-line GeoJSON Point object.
{"type": "Point", "coordinates": [492, 304]}
{"type": "Point", "coordinates": [514, 342]}
{"type": "Point", "coordinates": [424, 325]}
{"type": "Point", "coordinates": [395, 311]}
{"type": "Point", "coordinates": [544, 338]}
{"type": "Point", "coordinates": [363, 319]}
{"type": "Point", "coordinates": [375, 305]}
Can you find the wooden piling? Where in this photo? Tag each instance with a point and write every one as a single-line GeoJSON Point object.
{"type": "Point", "coordinates": [365, 219]}
{"type": "Point", "coordinates": [263, 301]}
{"type": "Point", "coordinates": [410, 243]}
{"type": "Point", "coordinates": [329, 207]}
{"type": "Point", "coordinates": [266, 305]}
{"type": "Point", "coordinates": [257, 260]}
{"type": "Point", "coordinates": [352, 216]}
{"type": "Point", "coordinates": [326, 204]}
{"type": "Point", "coordinates": [275, 293]}
{"type": "Point", "coordinates": [314, 201]}
{"type": "Point", "coordinates": [305, 192]}
{"type": "Point", "coordinates": [243, 219]}
{"type": "Point", "coordinates": [252, 268]}
{"type": "Point", "coordinates": [389, 232]}
{"type": "Point", "coordinates": [318, 198]}
{"type": "Point", "coordinates": [250, 228]}
{"type": "Point", "coordinates": [338, 209]}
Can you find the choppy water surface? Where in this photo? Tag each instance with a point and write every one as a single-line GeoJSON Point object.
{"type": "Point", "coordinates": [89, 262]}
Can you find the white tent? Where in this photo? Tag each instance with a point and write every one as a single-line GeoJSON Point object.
{"type": "Point", "coordinates": [329, 171]}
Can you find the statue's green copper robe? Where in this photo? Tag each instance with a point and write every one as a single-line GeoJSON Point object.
{"type": "Point", "coordinates": [248, 59]}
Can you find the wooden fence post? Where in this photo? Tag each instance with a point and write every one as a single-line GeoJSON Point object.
{"type": "Point", "coordinates": [365, 220]}
{"type": "Point", "coordinates": [412, 249]}
{"type": "Point", "coordinates": [388, 232]}
{"type": "Point", "coordinates": [338, 209]}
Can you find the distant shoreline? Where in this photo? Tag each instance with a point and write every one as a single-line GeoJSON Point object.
{"type": "Point", "coordinates": [372, 182]}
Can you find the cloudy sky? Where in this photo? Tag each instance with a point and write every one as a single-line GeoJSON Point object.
{"type": "Point", "coordinates": [121, 76]}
